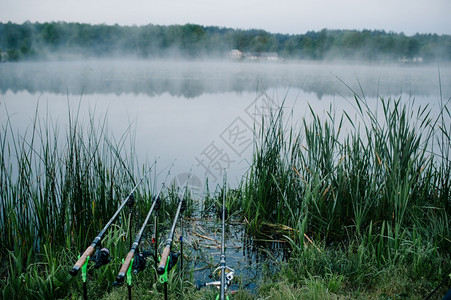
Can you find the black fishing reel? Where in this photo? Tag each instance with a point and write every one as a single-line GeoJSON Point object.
{"type": "Point", "coordinates": [102, 257]}
{"type": "Point", "coordinates": [173, 257]}
{"type": "Point", "coordinates": [139, 261]}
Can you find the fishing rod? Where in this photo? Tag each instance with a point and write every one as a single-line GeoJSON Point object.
{"type": "Point", "coordinates": [167, 249]}
{"type": "Point", "coordinates": [131, 254]}
{"type": "Point", "coordinates": [169, 259]}
{"type": "Point", "coordinates": [225, 272]}
{"type": "Point", "coordinates": [139, 263]}
{"type": "Point", "coordinates": [104, 258]}
{"type": "Point", "coordinates": [155, 224]}
{"type": "Point", "coordinates": [222, 260]}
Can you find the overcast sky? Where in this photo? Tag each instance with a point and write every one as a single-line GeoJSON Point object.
{"type": "Point", "coordinates": [276, 16]}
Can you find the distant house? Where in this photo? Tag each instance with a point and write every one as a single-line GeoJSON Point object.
{"type": "Point", "coordinates": [416, 59]}
{"type": "Point", "coordinates": [252, 55]}
{"type": "Point", "coordinates": [269, 56]}
{"type": "Point", "coordinates": [261, 56]}
{"type": "Point", "coordinates": [235, 54]}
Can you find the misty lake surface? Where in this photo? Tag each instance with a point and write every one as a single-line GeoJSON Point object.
{"type": "Point", "coordinates": [202, 113]}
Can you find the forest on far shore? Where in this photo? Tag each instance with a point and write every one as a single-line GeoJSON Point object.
{"type": "Point", "coordinates": [61, 40]}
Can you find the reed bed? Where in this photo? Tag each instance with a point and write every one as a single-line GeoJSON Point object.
{"type": "Point", "coordinates": [60, 186]}
{"type": "Point", "coordinates": [56, 193]}
{"type": "Point", "coordinates": [377, 185]}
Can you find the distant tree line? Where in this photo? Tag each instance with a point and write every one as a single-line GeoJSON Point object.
{"type": "Point", "coordinates": [74, 40]}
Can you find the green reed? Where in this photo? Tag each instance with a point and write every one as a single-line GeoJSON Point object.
{"type": "Point", "coordinates": [381, 179]}
{"type": "Point", "coordinates": [60, 188]}
{"type": "Point", "coordinates": [269, 177]}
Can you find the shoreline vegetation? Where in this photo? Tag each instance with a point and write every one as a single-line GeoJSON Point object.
{"type": "Point", "coordinates": [72, 41]}
{"type": "Point", "coordinates": [366, 211]}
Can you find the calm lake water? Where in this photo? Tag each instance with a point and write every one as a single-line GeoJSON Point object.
{"type": "Point", "coordinates": [202, 113]}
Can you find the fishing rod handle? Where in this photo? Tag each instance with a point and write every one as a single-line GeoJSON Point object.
{"type": "Point", "coordinates": [164, 260]}
{"type": "Point", "coordinates": [120, 277]}
{"type": "Point", "coordinates": [81, 261]}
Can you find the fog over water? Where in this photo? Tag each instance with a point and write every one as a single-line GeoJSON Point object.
{"type": "Point", "coordinates": [202, 113]}
{"type": "Point", "coordinates": [191, 79]}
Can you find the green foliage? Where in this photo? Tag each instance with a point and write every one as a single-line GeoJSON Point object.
{"type": "Point", "coordinates": [57, 193]}
{"type": "Point", "coordinates": [192, 41]}
{"type": "Point", "coordinates": [42, 278]}
{"type": "Point", "coordinates": [351, 272]}
{"type": "Point", "coordinates": [358, 203]}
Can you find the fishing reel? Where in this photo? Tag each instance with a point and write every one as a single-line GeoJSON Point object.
{"type": "Point", "coordinates": [139, 264]}
{"type": "Point", "coordinates": [102, 257]}
{"type": "Point", "coordinates": [139, 261]}
{"type": "Point", "coordinates": [173, 257]}
{"type": "Point", "coordinates": [228, 279]}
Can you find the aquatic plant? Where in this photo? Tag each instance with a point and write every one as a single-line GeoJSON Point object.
{"type": "Point", "coordinates": [56, 192]}
{"type": "Point", "coordinates": [381, 184]}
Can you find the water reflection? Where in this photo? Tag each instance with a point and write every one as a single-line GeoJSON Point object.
{"type": "Point", "coordinates": [258, 250]}
{"type": "Point", "coordinates": [249, 256]}
{"type": "Point", "coordinates": [190, 79]}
